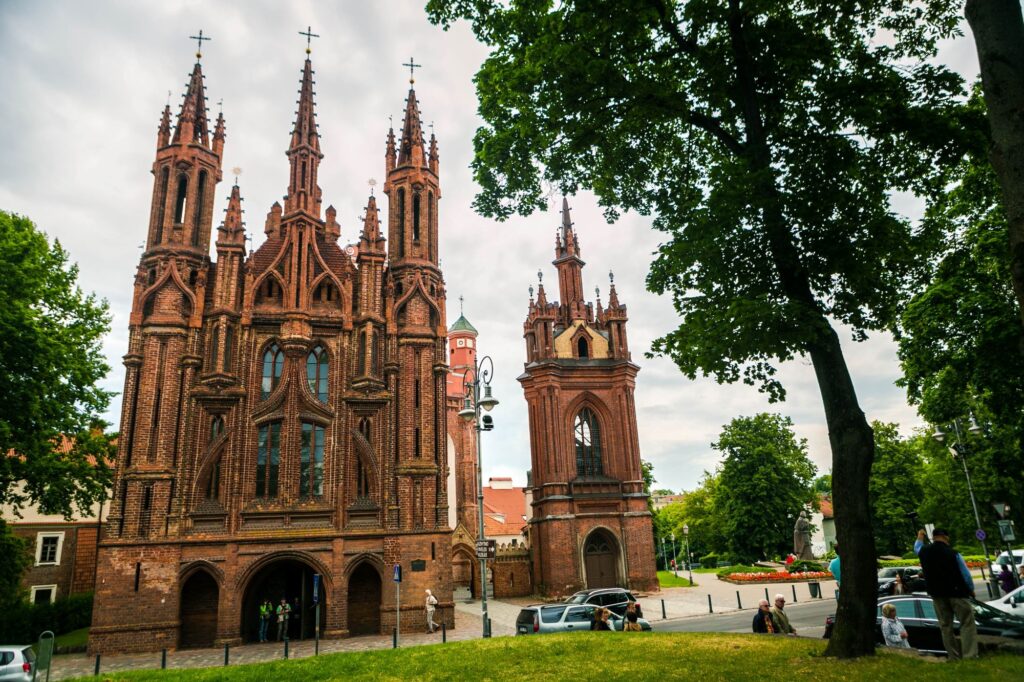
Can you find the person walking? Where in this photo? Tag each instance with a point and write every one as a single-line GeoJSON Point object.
{"type": "Point", "coordinates": [266, 612]}
{"type": "Point", "coordinates": [951, 587]}
{"type": "Point", "coordinates": [431, 605]}
{"type": "Point", "coordinates": [284, 610]}
{"type": "Point", "coordinates": [893, 632]}
{"type": "Point", "coordinates": [763, 622]}
{"type": "Point", "coordinates": [779, 617]}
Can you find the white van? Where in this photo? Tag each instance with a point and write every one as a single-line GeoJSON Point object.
{"type": "Point", "coordinates": [1002, 562]}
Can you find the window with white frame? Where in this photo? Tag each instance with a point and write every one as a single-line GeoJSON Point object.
{"type": "Point", "coordinates": [48, 548]}
{"type": "Point", "coordinates": [43, 594]}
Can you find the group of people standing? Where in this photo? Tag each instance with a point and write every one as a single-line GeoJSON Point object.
{"type": "Point", "coordinates": [771, 619]}
{"type": "Point", "coordinates": [280, 614]}
{"type": "Point", "coordinates": [631, 621]}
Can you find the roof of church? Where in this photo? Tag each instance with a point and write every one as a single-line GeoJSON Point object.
{"type": "Point", "coordinates": [462, 325]}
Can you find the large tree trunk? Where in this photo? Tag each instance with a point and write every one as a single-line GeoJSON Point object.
{"type": "Point", "coordinates": [850, 436]}
{"type": "Point", "coordinates": [998, 28]}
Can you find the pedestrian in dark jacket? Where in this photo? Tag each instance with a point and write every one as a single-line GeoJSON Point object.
{"type": "Point", "coordinates": [951, 588]}
{"type": "Point", "coordinates": [763, 622]}
{"type": "Point", "coordinates": [602, 620]}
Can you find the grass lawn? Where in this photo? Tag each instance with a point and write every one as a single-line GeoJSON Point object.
{"type": "Point", "coordinates": [78, 637]}
{"type": "Point", "coordinates": [666, 579]}
{"type": "Point", "coordinates": [606, 656]}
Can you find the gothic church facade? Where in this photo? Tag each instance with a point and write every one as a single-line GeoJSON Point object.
{"type": "Point", "coordinates": [284, 410]}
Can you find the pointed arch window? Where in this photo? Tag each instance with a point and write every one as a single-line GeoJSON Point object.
{"type": "Point", "coordinates": [213, 483]}
{"type": "Point", "coordinates": [582, 348]}
{"type": "Point", "coordinates": [587, 434]}
{"type": "Point", "coordinates": [216, 427]}
{"type": "Point", "coordinates": [198, 219]}
{"type": "Point", "coordinates": [180, 201]}
{"type": "Point", "coordinates": [268, 459]}
{"type": "Point", "coordinates": [416, 217]}
{"type": "Point", "coordinates": [311, 469]}
{"type": "Point", "coordinates": [401, 222]}
{"type": "Point", "coordinates": [164, 179]}
{"type": "Point", "coordinates": [364, 428]}
{"type": "Point", "coordinates": [273, 362]}
{"type": "Point", "coordinates": [316, 372]}
{"type": "Point", "coordinates": [362, 479]}
{"type": "Point", "coordinates": [361, 359]}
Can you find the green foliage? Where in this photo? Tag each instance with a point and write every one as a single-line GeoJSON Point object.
{"type": "Point", "coordinates": [729, 570]}
{"type": "Point", "coordinates": [763, 484]}
{"type": "Point", "coordinates": [14, 559]}
{"type": "Point", "coordinates": [669, 579]}
{"type": "Point", "coordinates": [803, 566]}
{"type": "Point", "coordinates": [823, 484]}
{"type": "Point", "coordinates": [24, 622]}
{"type": "Point", "coordinates": [895, 488]}
{"type": "Point", "coordinates": [603, 656]}
{"type": "Point", "coordinates": [698, 510]}
{"type": "Point", "coordinates": [710, 560]}
{"type": "Point", "coordinates": [50, 362]}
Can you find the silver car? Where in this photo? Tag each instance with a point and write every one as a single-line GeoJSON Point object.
{"type": "Point", "coordinates": [16, 663]}
{"type": "Point", "coordinates": [544, 618]}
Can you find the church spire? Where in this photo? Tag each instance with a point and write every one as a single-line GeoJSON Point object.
{"type": "Point", "coordinates": [163, 136]}
{"type": "Point", "coordinates": [570, 268]}
{"type": "Point", "coordinates": [371, 223]}
{"type": "Point", "coordinates": [304, 153]}
{"type": "Point", "coordinates": [192, 124]}
{"type": "Point", "coordinates": [218, 134]}
{"type": "Point", "coordinates": [232, 230]}
{"type": "Point", "coordinates": [389, 150]}
{"type": "Point", "coordinates": [411, 152]}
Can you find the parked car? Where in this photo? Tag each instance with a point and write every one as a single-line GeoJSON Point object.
{"type": "Point", "coordinates": [17, 663]}
{"type": "Point", "coordinates": [912, 577]}
{"type": "Point", "coordinates": [1002, 562]}
{"type": "Point", "coordinates": [917, 612]}
{"type": "Point", "coordinates": [1012, 603]}
{"type": "Point", "coordinates": [614, 599]}
{"type": "Point", "coordinates": [545, 618]}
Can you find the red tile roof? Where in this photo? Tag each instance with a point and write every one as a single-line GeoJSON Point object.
{"type": "Point", "coordinates": [504, 509]}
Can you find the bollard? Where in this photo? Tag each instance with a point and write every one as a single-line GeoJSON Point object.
{"type": "Point", "coordinates": [766, 597]}
{"type": "Point", "coordinates": [316, 647]}
{"type": "Point", "coordinates": [286, 649]}
{"type": "Point", "coordinates": [794, 593]}
{"type": "Point", "coordinates": [394, 638]}
{"type": "Point", "coordinates": [97, 671]}
{"type": "Point", "coordinates": [739, 604]}
{"type": "Point", "coordinates": [226, 654]}
{"type": "Point", "coordinates": [444, 632]}
{"type": "Point", "coordinates": [710, 610]}
{"type": "Point", "coordinates": [163, 659]}
{"type": "Point", "coordinates": [663, 616]}
{"type": "Point", "coordinates": [989, 588]}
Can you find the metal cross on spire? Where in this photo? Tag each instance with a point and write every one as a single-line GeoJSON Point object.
{"type": "Point", "coordinates": [199, 43]}
{"type": "Point", "coordinates": [460, 305]}
{"type": "Point", "coordinates": [309, 37]}
{"type": "Point", "coordinates": [412, 67]}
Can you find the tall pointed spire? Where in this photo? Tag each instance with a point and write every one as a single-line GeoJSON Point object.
{"type": "Point", "coordinates": [371, 222]}
{"type": "Point", "coordinates": [192, 124]}
{"type": "Point", "coordinates": [163, 137]}
{"type": "Point", "coordinates": [304, 152]}
{"type": "Point", "coordinates": [232, 230]}
{"type": "Point", "coordinates": [411, 152]}
{"type": "Point", "coordinates": [218, 135]}
{"type": "Point", "coordinates": [389, 150]}
{"type": "Point", "coordinates": [434, 157]}
{"type": "Point", "coordinates": [570, 267]}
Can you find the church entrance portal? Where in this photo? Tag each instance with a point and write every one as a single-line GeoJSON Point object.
{"type": "Point", "coordinates": [600, 557]}
{"type": "Point", "coordinates": [290, 579]}
{"type": "Point", "coordinates": [364, 595]}
{"type": "Point", "coordinates": [199, 598]}
{"type": "Point", "coordinates": [462, 574]}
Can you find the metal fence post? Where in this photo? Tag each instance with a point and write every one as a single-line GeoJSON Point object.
{"type": "Point", "coordinates": [96, 672]}
{"type": "Point", "coordinates": [794, 593]}
{"type": "Point", "coordinates": [163, 659]}
{"type": "Point", "coordinates": [766, 597]}
{"type": "Point", "coordinates": [394, 638]}
{"type": "Point", "coordinates": [663, 616]}
{"type": "Point", "coordinates": [739, 604]}
{"type": "Point", "coordinates": [444, 632]}
{"type": "Point", "coordinates": [710, 610]}
{"type": "Point", "coordinates": [226, 654]}
{"type": "Point", "coordinates": [286, 648]}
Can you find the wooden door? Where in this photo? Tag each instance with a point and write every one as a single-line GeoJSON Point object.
{"type": "Point", "coordinates": [600, 560]}
{"type": "Point", "coordinates": [364, 594]}
{"type": "Point", "coordinates": [198, 611]}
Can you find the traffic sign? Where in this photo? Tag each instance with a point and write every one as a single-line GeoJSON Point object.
{"type": "Point", "coordinates": [316, 588]}
{"type": "Point", "coordinates": [980, 534]}
{"type": "Point", "coordinates": [1006, 530]}
{"type": "Point", "coordinates": [398, 573]}
{"type": "Point", "coordinates": [486, 549]}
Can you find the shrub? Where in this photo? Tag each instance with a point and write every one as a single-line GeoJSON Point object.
{"type": "Point", "coordinates": [710, 560]}
{"type": "Point", "coordinates": [804, 566]}
{"type": "Point", "coordinates": [910, 555]}
{"type": "Point", "coordinates": [726, 572]}
{"type": "Point", "coordinates": [24, 622]}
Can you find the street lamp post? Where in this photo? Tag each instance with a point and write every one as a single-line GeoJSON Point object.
{"type": "Point", "coordinates": [664, 554]}
{"type": "Point", "coordinates": [959, 451]}
{"type": "Point", "coordinates": [689, 559]}
{"type": "Point", "coordinates": [675, 571]}
{"type": "Point", "coordinates": [481, 372]}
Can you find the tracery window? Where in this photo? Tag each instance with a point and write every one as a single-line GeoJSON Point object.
{"type": "Point", "coordinates": [316, 372]}
{"type": "Point", "coordinates": [273, 362]}
{"type": "Point", "coordinates": [311, 469]}
{"type": "Point", "coordinates": [268, 459]}
{"type": "Point", "coordinates": [588, 444]}
{"type": "Point", "coordinates": [216, 427]}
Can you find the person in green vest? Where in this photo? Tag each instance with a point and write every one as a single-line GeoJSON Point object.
{"type": "Point", "coordinates": [266, 613]}
{"type": "Point", "coordinates": [284, 610]}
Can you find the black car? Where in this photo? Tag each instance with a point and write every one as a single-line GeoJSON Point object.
{"type": "Point", "coordinates": [614, 599]}
{"type": "Point", "coordinates": [917, 613]}
{"type": "Point", "coordinates": [912, 577]}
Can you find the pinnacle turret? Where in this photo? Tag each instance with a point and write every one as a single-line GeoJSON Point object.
{"type": "Point", "coordinates": [411, 152]}
{"type": "Point", "coordinates": [192, 127]}
{"type": "Point", "coordinates": [232, 230]}
{"type": "Point", "coordinates": [304, 152]}
{"type": "Point", "coordinates": [163, 136]}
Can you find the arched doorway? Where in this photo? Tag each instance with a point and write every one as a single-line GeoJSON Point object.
{"type": "Point", "coordinates": [199, 599]}
{"type": "Point", "coordinates": [462, 574]}
{"type": "Point", "coordinates": [364, 597]}
{"type": "Point", "coordinates": [601, 559]}
{"type": "Point", "coordinates": [289, 579]}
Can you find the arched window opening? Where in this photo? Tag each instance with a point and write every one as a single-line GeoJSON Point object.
{"type": "Point", "coordinates": [401, 222]}
{"type": "Point", "coordinates": [198, 219]}
{"type": "Point", "coordinates": [362, 479]}
{"type": "Point", "coordinates": [147, 307]}
{"type": "Point", "coordinates": [361, 350]}
{"type": "Point", "coordinates": [270, 292]}
{"type": "Point", "coordinates": [303, 175]}
{"type": "Point", "coordinates": [268, 459]}
{"type": "Point", "coordinates": [311, 465]}
{"type": "Point", "coordinates": [364, 428]}
{"type": "Point", "coordinates": [325, 292]}
{"type": "Point", "coordinates": [316, 373]}
{"type": "Point", "coordinates": [430, 212]}
{"type": "Point", "coordinates": [416, 394]}
{"type": "Point", "coordinates": [588, 444]}
{"type": "Point", "coordinates": [582, 348]}
{"type": "Point", "coordinates": [416, 218]}
{"type": "Point", "coordinates": [179, 203]}
{"type": "Point", "coordinates": [216, 427]}
{"type": "Point", "coordinates": [417, 451]}
{"type": "Point", "coordinates": [213, 484]}
{"type": "Point", "coordinates": [151, 280]}
{"type": "Point", "coordinates": [162, 208]}
{"type": "Point", "coordinates": [273, 362]}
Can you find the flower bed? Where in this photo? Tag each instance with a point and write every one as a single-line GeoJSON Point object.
{"type": "Point", "coordinates": [971, 561]}
{"type": "Point", "coordinates": [776, 577]}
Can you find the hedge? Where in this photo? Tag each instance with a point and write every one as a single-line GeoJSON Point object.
{"type": "Point", "coordinates": [22, 623]}
{"type": "Point", "coordinates": [725, 572]}
{"type": "Point", "coordinates": [971, 561]}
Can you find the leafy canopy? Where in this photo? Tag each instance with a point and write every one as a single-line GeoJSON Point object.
{"type": "Point", "coordinates": [895, 489]}
{"type": "Point", "coordinates": [50, 363]}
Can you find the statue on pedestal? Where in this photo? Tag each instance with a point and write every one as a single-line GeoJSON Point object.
{"type": "Point", "coordinates": [802, 537]}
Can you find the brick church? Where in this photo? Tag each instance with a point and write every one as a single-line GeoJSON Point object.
{"type": "Point", "coordinates": [285, 410]}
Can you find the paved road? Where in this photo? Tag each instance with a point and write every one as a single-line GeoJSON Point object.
{"type": "Point", "coordinates": [808, 619]}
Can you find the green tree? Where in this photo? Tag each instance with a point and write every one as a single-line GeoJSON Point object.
{"type": "Point", "coordinates": [767, 139]}
{"type": "Point", "coordinates": [763, 484]}
{"type": "Point", "coordinates": [823, 484]}
{"type": "Point", "coordinates": [701, 514]}
{"type": "Point", "coordinates": [895, 489]}
{"type": "Point", "coordinates": [14, 559]}
{"type": "Point", "coordinates": [50, 362]}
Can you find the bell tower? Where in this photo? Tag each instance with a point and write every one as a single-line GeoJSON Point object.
{"type": "Point", "coordinates": [590, 525]}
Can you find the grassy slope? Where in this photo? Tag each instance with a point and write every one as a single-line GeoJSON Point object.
{"type": "Point", "coordinates": [667, 579]}
{"type": "Point", "coordinates": [607, 656]}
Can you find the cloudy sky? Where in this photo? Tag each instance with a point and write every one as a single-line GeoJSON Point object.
{"type": "Point", "coordinates": [84, 85]}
